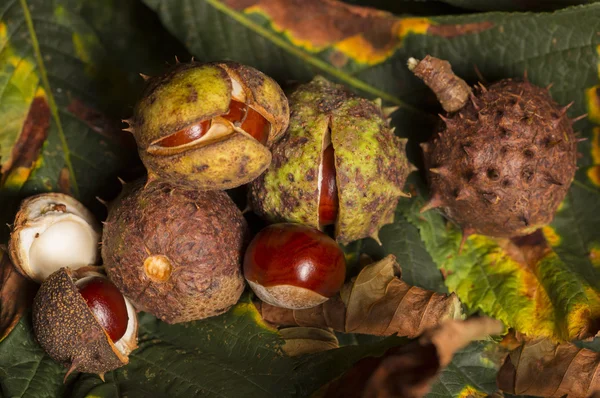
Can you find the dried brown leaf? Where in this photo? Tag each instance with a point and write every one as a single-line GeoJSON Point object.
{"type": "Point", "coordinates": [16, 295]}
{"type": "Point", "coordinates": [543, 368]}
{"type": "Point", "coordinates": [377, 302]}
{"type": "Point", "coordinates": [301, 340]}
{"type": "Point", "coordinates": [451, 91]}
{"type": "Point", "coordinates": [409, 370]}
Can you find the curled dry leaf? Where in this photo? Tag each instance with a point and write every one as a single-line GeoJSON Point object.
{"type": "Point", "coordinates": [16, 295]}
{"type": "Point", "coordinates": [542, 368]}
{"type": "Point", "coordinates": [408, 371]}
{"type": "Point", "coordinates": [451, 91]}
{"type": "Point", "coordinates": [301, 340]}
{"type": "Point", "coordinates": [376, 302]}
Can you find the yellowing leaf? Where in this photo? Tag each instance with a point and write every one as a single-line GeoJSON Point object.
{"type": "Point", "coordinates": [522, 282]}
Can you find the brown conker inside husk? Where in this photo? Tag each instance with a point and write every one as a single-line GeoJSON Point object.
{"type": "Point", "coordinates": [107, 304]}
{"type": "Point", "coordinates": [501, 164]}
{"type": "Point", "coordinates": [208, 126]}
{"type": "Point", "coordinates": [339, 163]}
{"type": "Point", "coordinates": [69, 331]}
{"type": "Point", "coordinates": [175, 252]}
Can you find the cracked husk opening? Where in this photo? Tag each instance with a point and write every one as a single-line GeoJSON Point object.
{"type": "Point", "coordinates": [239, 118]}
{"type": "Point", "coordinates": [52, 231]}
{"type": "Point", "coordinates": [127, 342]}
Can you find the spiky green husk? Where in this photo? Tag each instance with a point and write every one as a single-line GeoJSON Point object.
{"type": "Point", "coordinates": [190, 93]}
{"type": "Point", "coordinates": [370, 163]}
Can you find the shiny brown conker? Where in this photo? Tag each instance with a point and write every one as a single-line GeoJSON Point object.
{"type": "Point", "coordinates": [294, 266]}
{"type": "Point", "coordinates": [107, 304]}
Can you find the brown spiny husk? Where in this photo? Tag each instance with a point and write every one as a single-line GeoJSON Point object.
{"type": "Point", "coordinates": [503, 163]}
{"type": "Point", "coordinates": [200, 234]}
{"type": "Point", "coordinates": [67, 330]}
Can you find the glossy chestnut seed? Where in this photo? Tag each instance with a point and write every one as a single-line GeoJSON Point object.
{"type": "Point", "coordinates": [239, 114]}
{"type": "Point", "coordinates": [294, 266]}
{"type": "Point", "coordinates": [107, 305]}
{"type": "Point", "coordinates": [328, 200]}
{"type": "Point", "coordinates": [186, 135]}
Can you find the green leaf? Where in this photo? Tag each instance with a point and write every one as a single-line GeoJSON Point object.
{"type": "Point", "coordinates": [231, 355]}
{"type": "Point", "coordinates": [574, 233]}
{"type": "Point", "coordinates": [25, 371]}
{"type": "Point", "coordinates": [314, 371]}
{"type": "Point", "coordinates": [409, 7]}
{"type": "Point", "coordinates": [516, 5]}
{"type": "Point", "coordinates": [228, 355]}
{"type": "Point", "coordinates": [67, 74]}
{"type": "Point", "coordinates": [401, 239]}
{"type": "Point", "coordinates": [472, 371]}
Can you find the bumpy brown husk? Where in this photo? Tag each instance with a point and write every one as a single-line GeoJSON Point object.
{"type": "Point", "coordinates": [67, 330]}
{"type": "Point", "coordinates": [201, 235]}
{"type": "Point", "coordinates": [503, 163]}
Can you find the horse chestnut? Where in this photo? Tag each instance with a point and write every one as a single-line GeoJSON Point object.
{"type": "Point", "coordinates": [81, 320]}
{"type": "Point", "coordinates": [294, 266]}
{"type": "Point", "coordinates": [175, 252]}
{"type": "Point", "coordinates": [328, 200]}
{"type": "Point", "coordinates": [208, 126]}
{"type": "Point", "coordinates": [338, 163]}
{"type": "Point", "coordinates": [107, 304]}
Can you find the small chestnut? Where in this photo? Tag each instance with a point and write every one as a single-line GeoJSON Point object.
{"type": "Point", "coordinates": [328, 200]}
{"type": "Point", "coordinates": [294, 266]}
{"type": "Point", "coordinates": [107, 304]}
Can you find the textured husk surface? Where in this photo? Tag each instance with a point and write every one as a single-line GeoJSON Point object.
{"type": "Point", "coordinates": [371, 169]}
{"type": "Point", "coordinates": [371, 165]}
{"type": "Point", "coordinates": [184, 95]}
{"type": "Point", "coordinates": [264, 95]}
{"type": "Point", "coordinates": [193, 92]}
{"type": "Point", "coordinates": [504, 168]}
{"type": "Point", "coordinates": [68, 331]}
{"type": "Point", "coordinates": [221, 165]}
{"type": "Point", "coordinates": [202, 233]}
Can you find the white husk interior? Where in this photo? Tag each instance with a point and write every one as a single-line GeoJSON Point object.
{"type": "Point", "coordinates": [50, 239]}
{"type": "Point", "coordinates": [219, 128]}
{"type": "Point", "coordinates": [128, 342]}
{"type": "Point", "coordinates": [237, 92]}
